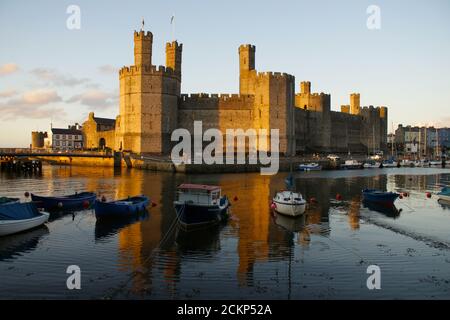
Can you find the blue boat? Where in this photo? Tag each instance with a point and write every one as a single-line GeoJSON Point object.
{"type": "Point", "coordinates": [200, 205]}
{"type": "Point", "coordinates": [6, 200]}
{"type": "Point", "coordinates": [379, 196]}
{"type": "Point", "coordinates": [444, 194]}
{"type": "Point", "coordinates": [121, 208]}
{"type": "Point", "coordinates": [77, 201]}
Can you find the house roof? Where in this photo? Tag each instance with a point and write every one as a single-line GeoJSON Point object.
{"type": "Point", "coordinates": [105, 121]}
{"type": "Point", "coordinates": [198, 187]}
{"type": "Point", "coordinates": [66, 131]}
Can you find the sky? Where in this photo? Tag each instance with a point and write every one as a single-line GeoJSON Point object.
{"type": "Point", "coordinates": [52, 74]}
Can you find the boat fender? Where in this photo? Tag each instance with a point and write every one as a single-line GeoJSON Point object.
{"type": "Point", "coordinates": [235, 198]}
{"type": "Point", "coordinates": [103, 199]}
{"type": "Point", "coordinates": [338, 197]}
{"type": "Point", "coordinates": [85, 204]}
{"type": "Point", "coordinates": [154, 204]}
{"type": "Point", "coordinates": [60, 205]}
{"type": "Point", "coordinates": [27, 194]}
{"type": "Point", "coordinates": [428, 194]}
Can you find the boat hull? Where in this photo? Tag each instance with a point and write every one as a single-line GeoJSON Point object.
{"type": "Point", "coordinates": [84, 201]}
{"type": "Point", "coordinates": [8, 227]}
{"type": "Point", "coordinates": [192, 215]}
{"type": "Point", "coordinates": [119, 209]}
{"type": "Point", "coordinates": [309, 168]}
{"type": "Point", "coordinates": [386, 198]}
{"type": "Point", "coordinates": [288, 209]}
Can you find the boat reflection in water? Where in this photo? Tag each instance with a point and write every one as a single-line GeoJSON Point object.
{"type": "Point", "coordinates": [20, 243]}
{"type": "Point", "coordinates": [444, 203]}
{"type": "Point", "coordinates": [205, 240]}
{"type": "Point", "coordinates": [107, 228]}
{"type": "Point", "coordinates": [292, 224]}
{"type": "Point", "coordinates": [390, 211]}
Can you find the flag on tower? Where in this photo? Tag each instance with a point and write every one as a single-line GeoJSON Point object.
{"type": "Point", "coordinates": [143, 23]}
{"type": "Point", "coordinates": [171, 19]}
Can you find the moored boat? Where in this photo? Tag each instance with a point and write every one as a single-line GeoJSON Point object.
{"type": "Point", "coordinates": [310, 167]}
{"type": "Point", "coordinates": [390, 164]}
{"type": "Point", "coordinates": [444, 194]}
{"type": "Point", "coordinates": [199, 205]}
{"type": "Point", "coordinates": [121, 208]}
{"type": "Point", "coordinates": [382, 197]}
{"type": "Point", "coordinates": [351, 164]}
{"type": "Point", "coordinates": [372, 164]}
{"type": "Point", "coordinates": [7, 200]}
{"type": "Point", "coordinates": [82, 200]}
{"type": "Point", "coordinates": [17, 217]}
{"type": "Point", "coordinates": [289, 203]}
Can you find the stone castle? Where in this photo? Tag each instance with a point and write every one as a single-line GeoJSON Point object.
{"type": "Point", "coordinates": [152, 106]}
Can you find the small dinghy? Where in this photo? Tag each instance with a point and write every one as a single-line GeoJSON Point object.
{"type": "Point", "coordinates": [382, 197]}
{"type": "Point", "coordinates": [17, 217]}
{"type": "Point", "coordinates": [121, 208]}
{"type": "Point", "coordinates": [310, 167]}
{"type": "Point", "coordinates": [76, 201]}
{"type": "Point", "coordinates": [289, 203]}
{"type": "Point", "coordinates": [444, 194]}
{"type": "Point", "coordinates": [199, 205]}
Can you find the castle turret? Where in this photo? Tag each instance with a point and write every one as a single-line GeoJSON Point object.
{"type": "Point", "coordinates": [173, 56]}
{"type": "Point", "coordinates": [305, 87]}
{"type": "Point", "coordinates": [355, 105]}
{"type": "Point", "coordinates": [247, 70]}
{"type": "Point", "coordinates": [143, 48]}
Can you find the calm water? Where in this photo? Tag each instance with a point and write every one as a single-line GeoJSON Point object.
{"type": "Point", "coordinates": [256, 255]}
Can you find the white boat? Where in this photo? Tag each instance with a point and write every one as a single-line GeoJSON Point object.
{"type": "Point", "coordinates": [351, 164]}
{"type": "Point", "coordinates": [435, 163]}
{"type": "Point", "coordinates": [310, 167]}
{"type": "Point", "coordinates": [389, 164]}
{"type": "Point", "coordinates": [289, 203]}
{"type": "Point", "coordinates": [407, 163]}
{"type": "Point", "coordinates": [18, 217]}
{"type": "Point", "coordinates": [372, 164]}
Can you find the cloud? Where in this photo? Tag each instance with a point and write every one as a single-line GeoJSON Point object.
{"type": "Point", "coordinates": [95, 98]}
{"type": "Point", "coordinates": [8, 68]}
{"type": "Point", "coordinates": [33, 105]}
{"type": "Point", "coordinates": [51, 76]}
{"type": "Point", "coordinates": [108, 69]}
{"type": "Point", "coordinates": [7, 93]}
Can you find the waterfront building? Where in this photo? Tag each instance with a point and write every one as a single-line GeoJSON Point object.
{"type": "Point", "coordinates": [67, 139]}
{"type": "Point", "coordinates": [152, 106]}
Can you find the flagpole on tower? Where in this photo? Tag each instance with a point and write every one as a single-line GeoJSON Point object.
{"type": "Point", "coordinates": [172, 22]}
{"type": "Point", "coordinates": [143, 23]}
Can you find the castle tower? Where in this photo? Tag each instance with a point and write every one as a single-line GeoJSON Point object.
{"type": "Point", "coordinates": [143, 43]}
{"type": "Point", "coordinates": [148, 99]}
{"type": "Point", "coordinates": [355, 106]}
{"type": "Point", "coordinates": [173, 56]}
{"type": "Point", "coordinates": [247, 72]}
{"type": "Point", "coordinates": [305, 87]}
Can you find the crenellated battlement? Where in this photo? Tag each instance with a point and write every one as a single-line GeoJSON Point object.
{"type": "Point", "coordinates": [143, 35]}
{"type": "Point", "coordinates": [195, 97]}
{"type": "Point", "coordinates": [247, 47]}
{"type": "Point", "coordinates": [274, 75]}
{"type": "Point", "coordinates": [154, 70]}
{"type": "Point", "coordinates": [380, 111]}
{"type": "Point", "coordinates": [174, 45]}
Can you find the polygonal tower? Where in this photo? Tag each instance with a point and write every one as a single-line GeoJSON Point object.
{"type": "Point", "coordinates": [148, 99]}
